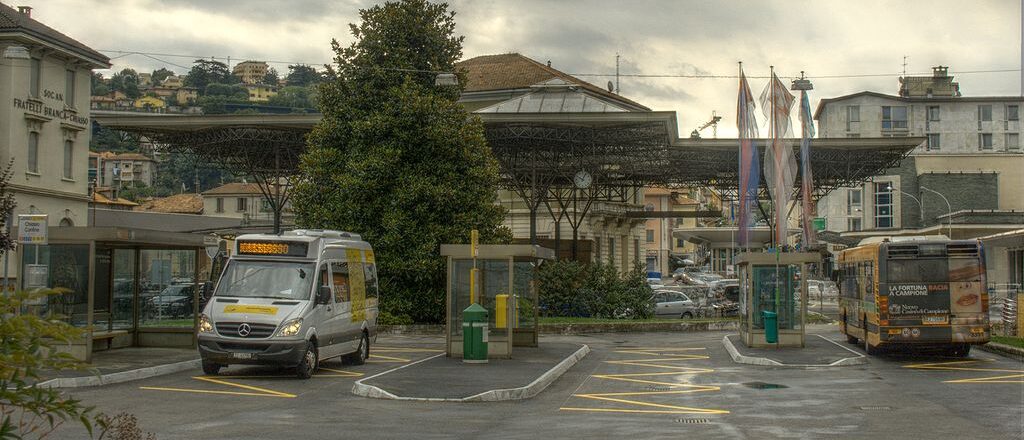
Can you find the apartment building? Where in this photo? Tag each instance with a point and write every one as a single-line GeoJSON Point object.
{"type": "Point", "coordinates": [964, 181]}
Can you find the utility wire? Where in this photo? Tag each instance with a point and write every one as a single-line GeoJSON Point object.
{"type": "Point", "coordinates": [153, 55]}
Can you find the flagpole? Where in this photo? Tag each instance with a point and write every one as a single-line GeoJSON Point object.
{"type": "Point", "coordinates": [771, 137]}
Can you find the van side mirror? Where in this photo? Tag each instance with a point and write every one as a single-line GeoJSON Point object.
{"type": "Point", "coordinates": [323, 295]}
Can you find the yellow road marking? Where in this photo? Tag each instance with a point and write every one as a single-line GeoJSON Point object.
{"type": "Point", "coordinates": [390, 359]}
{"type": "Point", "coordinates": [192, 390]}
{"type": "Point", "coordinates": [660, 355]}
{"type": "Point", "coordinates": [633, 411]}
{"type": "Point", "coordinates": [656, 351]}
{"type": "Point", "coordinates": [698, 388]}
{"type": "Point", "coordinates": [627, 378]}
{"type": "Point", "coordinates": [946, 366]}
{"type": "Point", "coordinates": [1019, 377]}
{"type": "Point", "coordinates": [243, 386]}
{"type": "Point", "coordinates": [341, 373]}
{"type": "Point", "coordinates": [406, 349]}
{"type": "Point", "coordinates": [655, 405]}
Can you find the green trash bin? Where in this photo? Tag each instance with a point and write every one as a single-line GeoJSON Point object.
{"type": "Point", "coordinates": [474, 334]}
{"type": "Point", "coordinates": [771, 326]}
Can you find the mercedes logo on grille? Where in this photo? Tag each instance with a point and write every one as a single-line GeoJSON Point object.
{"type": "Point", "coordinates": [244, 330]}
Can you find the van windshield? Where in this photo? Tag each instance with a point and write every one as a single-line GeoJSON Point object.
{"type": "Point", "coordinates": [266, 279]}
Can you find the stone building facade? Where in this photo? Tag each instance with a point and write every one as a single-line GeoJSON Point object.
{"type": "Point", "coordinates": [44, 118]}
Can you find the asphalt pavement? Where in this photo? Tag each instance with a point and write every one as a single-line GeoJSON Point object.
{"type": "Point", "coordinates": [632, 385]}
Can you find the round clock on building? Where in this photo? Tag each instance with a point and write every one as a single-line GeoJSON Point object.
{"type": "Point", "coordinates": [582, 180]}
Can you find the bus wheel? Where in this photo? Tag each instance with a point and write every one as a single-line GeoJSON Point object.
{"type": "Point", "coordinates": [867, 345]}
{"type": "Point", "coordinates": [851, 339]}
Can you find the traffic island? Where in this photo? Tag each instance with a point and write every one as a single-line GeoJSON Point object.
{"type": "Point", "coordinates": [445, 379]}
{"type": "Point", "coordinates": [818, 351]}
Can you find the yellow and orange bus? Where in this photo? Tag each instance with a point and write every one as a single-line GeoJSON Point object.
{"type": "Point", "coordinates": [926, 292]}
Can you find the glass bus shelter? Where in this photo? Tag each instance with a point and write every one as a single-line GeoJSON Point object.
{"type": "Point", "coordinates": [126, 287]}
{"type": "Point", "coordinates": [506, 287]}
{"type": "Point", "coordinates": [774, 282]}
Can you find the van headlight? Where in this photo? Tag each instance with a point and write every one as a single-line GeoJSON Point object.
{"type": "Point", "coordinates": [290, 328]}
{"type": "Point", "coordinates": [204, 324]}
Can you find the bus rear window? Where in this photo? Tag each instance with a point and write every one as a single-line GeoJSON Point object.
{"type": "Point", "coordinates": [921, 270]}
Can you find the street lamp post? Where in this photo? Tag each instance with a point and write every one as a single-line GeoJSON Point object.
{"type": "Point", "coordinates": [948, 208]}
{"type": "Point", "coordinates": [919, 203]}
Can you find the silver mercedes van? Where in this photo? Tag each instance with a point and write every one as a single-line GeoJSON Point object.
{"type": "Point", "coordinates": [292, 300]}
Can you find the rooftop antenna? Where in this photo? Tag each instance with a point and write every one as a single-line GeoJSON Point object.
{"type": "Point", "coordinates": [905, 65]}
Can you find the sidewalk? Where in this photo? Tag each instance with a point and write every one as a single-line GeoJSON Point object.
{"type": "Point", "coordinates": [125, 364]}
{"type": "Point", "coordinates": [818, 351]}
{"type": "Point", "coordinates": [444, 379]}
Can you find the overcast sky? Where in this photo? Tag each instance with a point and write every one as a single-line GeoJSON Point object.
{"type": "Point", "coordinates": [822, 37]}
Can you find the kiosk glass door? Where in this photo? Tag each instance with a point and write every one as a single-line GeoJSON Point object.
{"type": "Point", "coordinates": [776, 289]}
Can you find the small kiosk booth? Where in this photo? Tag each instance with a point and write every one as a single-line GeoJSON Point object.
{"type": "Point", "coordinates": [775, 283]}
{"type": "Point", "coordinates": [505, 286]}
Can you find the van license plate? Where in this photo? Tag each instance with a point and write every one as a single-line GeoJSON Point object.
{"type": "Point", "coordinates": [242, 355]}
{"type": "Point", "coordinates": [935, 319]}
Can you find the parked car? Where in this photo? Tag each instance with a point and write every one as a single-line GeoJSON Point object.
{"type": "Point", "coordinates": [175, 301]}
{"type": "Point", "coordinates": [671, 303]}
{"type": "Point", "coordinates": [680, 272]}
{"type": "Point", "coordinates": [653, 277]}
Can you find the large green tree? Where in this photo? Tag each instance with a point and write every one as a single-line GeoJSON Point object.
{"type": "Point", "coordinates": [301, 75]}
{"type": "Point", "coordinates": [127, 82]}
{"type": "Point", "coordinates": [159, 75]}
{"type": "Point", "coordinates": [396, 158]}
{"type": "Point", "coordinates": [206, 72]}
{"type": "Point", "coordinates": [294, 97]}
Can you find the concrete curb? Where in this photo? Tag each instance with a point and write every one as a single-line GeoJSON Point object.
{"type": "Point", "coordinates": [525, 392]}
{"type": "Point", "coordinates": [1003, 350]}
{"type": "Point", "coordinates": [121, 376]}
{"type": "Point", "coordinates": [859, 359]}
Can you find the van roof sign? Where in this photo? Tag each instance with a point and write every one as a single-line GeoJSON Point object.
{"type": "Point", "coordinates": [273, 248]}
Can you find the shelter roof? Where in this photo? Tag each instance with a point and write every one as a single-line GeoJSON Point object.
{"type": "Point", "coordinates": [14, 22]}
{"type": "Point", "coordinates": [513, 71]}
{"type": "Point", "coordinates": [555, 96]}
{"type": "Point", "coordinates": [627, 149]}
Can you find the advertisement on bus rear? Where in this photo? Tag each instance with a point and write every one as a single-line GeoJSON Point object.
{"type": "Point", "coordinates": [918, 299]}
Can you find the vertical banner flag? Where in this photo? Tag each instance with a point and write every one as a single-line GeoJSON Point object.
{"type": "Point", "coordinates": [779, 161]}
{"type": "Point", "coordinates": [807, 124]}
{"type": "Point", "coordinates": [750, 168]}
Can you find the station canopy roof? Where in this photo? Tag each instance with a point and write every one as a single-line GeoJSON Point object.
{"type": "Point", "coordinates": [618, 148]}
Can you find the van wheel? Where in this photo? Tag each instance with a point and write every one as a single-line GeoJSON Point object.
{"type": "Point", "coordinates": [361, 354]}
{"type": "Point", "coordinates": [211, 368]}
{"type": "Point", "coordinates": [960, 350]}
{"type": "Point", "coordinates": [307, 366]}
{"type": "Point", "coordinates": [687, 315]}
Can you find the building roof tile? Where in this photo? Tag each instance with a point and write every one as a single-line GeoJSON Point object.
{"type": "Point", "coordinates": [12, 21]}
{"type": "Point", "coordinates": [513, 71]}
{"type": "Point", "coordinates": [235, 188]}
{"type": "Point", "coordinates": [104, 200]}
{"type": "Point", "coordinates": [188, 203]}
